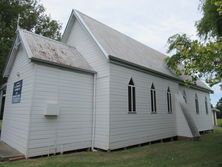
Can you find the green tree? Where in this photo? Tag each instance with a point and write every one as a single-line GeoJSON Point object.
{"type": "Point", "coordinates": [210, 25]}
{"type": "Point", "coordinates": [219, 107]}
{"type": "Point", "coordinates": [32, 18]}
{"type": "Point", "coordinates": [200, 58]}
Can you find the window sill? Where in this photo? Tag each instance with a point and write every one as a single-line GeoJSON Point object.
{"type": "Point", "coordinates": [153, 112]}
{"type": "Point", "coordinates": [134, 112]}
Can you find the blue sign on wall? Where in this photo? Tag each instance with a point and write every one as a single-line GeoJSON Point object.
{"type": "Point", "coordinates": [17, 92]}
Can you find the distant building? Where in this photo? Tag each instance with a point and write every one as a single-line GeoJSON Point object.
{"type": "Point", "coordinates": [215, 110]}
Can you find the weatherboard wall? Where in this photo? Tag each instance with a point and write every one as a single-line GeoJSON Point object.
{"type": "Point", "coordinates": [81, 39]}
{"type": "Point", "coordinates": [203, 120]}
{"type": "Point", "coordinates": [72, 128]}
{"type": "Point", "coordinates": [16, 119]}
{"type": "Point", "coordinates": [129, 129]}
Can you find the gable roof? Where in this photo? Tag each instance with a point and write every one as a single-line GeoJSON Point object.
{"type": "Point", "coordinates": [50, 51]}
{"type": "Point", "coordinates": [118, 46]}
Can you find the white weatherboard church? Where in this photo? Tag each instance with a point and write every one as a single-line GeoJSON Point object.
{"type": "Point", "coordinates": [97, 89]}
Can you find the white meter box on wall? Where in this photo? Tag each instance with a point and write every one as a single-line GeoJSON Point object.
{"type": "Point", "coordinates": [52, 109]}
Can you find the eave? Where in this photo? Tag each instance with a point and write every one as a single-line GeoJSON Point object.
{"type": "Point", "coordinates": [137, 67]}
{"type": "Point", "coordinates": [33, 59]}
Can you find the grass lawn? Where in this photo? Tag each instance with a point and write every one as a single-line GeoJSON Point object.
{"type": "Point", "coordinates": [206, 152]}
{"type": "Point", "coordinates": [219, 122]}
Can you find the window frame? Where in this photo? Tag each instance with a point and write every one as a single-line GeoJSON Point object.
{"type": "Point", "coordinates": [153, 99]}
{"type": "Point", "coordinates": [185, 96]}
{"type": "Point", "coordinates": [197, 105]}
{"type": "Point", "coordinates": [169, 101]}
{"type": "Point", "coordinates": [131, 97]}
{"type": "Point", "coordinates": [206, 105]}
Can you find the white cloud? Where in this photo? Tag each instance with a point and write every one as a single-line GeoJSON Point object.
{"type": "Point", "coordinates": [148, 21]}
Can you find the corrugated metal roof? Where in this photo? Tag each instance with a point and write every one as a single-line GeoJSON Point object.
{"type": "Point", "coordinates": [123, 47]}
{"type": "Point", "coordinates": [127, 49]}
{"type": "Point", "coordinates": [54, 52]}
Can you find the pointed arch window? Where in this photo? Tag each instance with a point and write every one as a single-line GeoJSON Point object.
{"type": "Point", "coordinates": [169, 102]}
{"type": "Point", "coordinates": [185, 96]}
{"type": "Point", "coordinates": [153, 98]}
{"type": "Point", "coordinates": [206, 105]}
{"type": "Point", "coordinates": [131, 97]}
{"type": "Point", "coordinates": [197, 104]}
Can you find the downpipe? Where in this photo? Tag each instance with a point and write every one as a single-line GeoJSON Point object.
{"type": "Point", "coordinates": [94, 114]}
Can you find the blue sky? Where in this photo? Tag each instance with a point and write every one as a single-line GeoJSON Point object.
{"type": "Point", "coordinates": [148, 21]}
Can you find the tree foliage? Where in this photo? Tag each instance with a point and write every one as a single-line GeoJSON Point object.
{"type": "Point", "coordinates": [219, 105]}
{"type": "Point", "coordinates": [210, 25]}
{"type": "Point", "coordinates": [200, 58]}
{"type": "Point", "coordinates": [33, 18]}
